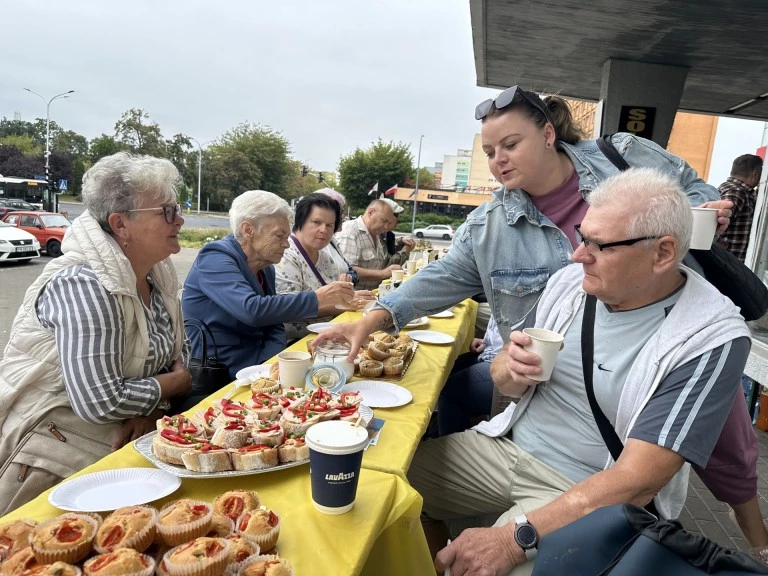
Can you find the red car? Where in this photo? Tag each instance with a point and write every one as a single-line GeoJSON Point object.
{"type": "Point", "coordinates": [47, 227]}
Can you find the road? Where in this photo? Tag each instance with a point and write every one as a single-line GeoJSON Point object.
{"type": "Point", "coordinates": [74, 209]}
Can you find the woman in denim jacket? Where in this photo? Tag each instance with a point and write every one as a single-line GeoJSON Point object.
{"type": "Point", "coordinates": [510, 246]}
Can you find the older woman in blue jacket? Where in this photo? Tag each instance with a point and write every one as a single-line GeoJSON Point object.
{"type": "Point", "coordinates": [231, 286]}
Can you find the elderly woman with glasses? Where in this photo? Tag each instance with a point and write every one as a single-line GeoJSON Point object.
{"type": "Point", "coordinates": [510, 246]}
{"type": "Point", "coordinates": [95, 351]}
{"type": "Point", "coordinates": [231, 286]}
{"type": "Point", "coordinates": [312, 260]}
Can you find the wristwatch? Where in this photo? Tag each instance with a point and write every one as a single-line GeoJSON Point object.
{"type": "Point", "coordinates": [526, 536]}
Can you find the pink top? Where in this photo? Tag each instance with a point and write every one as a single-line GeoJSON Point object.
{"type": "Point", "coordinates": [564, 206]}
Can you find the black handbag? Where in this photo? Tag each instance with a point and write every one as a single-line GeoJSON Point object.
{"type": "Point", "coordinates": [721, 268]}
{"type": "Point", "coordinates": [624, 540]}
{"type": "Point", "coordinates": [208, 374]}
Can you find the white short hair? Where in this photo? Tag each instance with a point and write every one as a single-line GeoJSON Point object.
{"type": "Point", "coordinates": [255, 206]}
{"type": "Point", "coordinates": [655, 203]}
{"type": "Point", "coordinates": [120, 182]}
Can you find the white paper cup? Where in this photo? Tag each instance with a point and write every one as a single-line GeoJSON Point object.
{"type": "Point", "coordinates": [704, 227]}
{"type": "Point", "coordinates": [545, 344]}
{"type": "Point", "coordinates": [335, 454]}
{"type": "Point", "coordinates": [410, 267]}
{"type": "Point", "coordinates": [397, 275]}
{"type": "Point", "coordinates": [293, 368]}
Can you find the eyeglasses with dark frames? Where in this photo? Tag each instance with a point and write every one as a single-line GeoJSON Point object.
{"type": "Point", "coordinates": [602, 246]}
{"type": "Point", "coordinates": [506, 98]}
{"type": "Point", "coordinates": [170, 211]}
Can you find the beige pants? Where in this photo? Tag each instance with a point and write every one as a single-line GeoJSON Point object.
{"type": "Point", "coordinates": [470, 480]}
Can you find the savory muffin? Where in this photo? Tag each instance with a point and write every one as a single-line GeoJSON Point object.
{"type": "Point", "coordinates": [183, 520]}
{"type": "Point", "coordinates": [266, 385]}
{"type": "Point", "coordinates": [127, 527]}
{"type": "Point", "coordinates": [234, 502]}
{"type": "Point", "coordinates": [121, 562]}
{"type": "Point", "coordinates": [384, 338]}
{"type": "Point", "coordinates": [221, 526]}
{"type": "Point", "coordinates": [18, 562]}
{"type": "Point", "coordinates": [371, 368]}
{"type": "Point", "coordinates": [14, 536]}
{"type": "Point", "coordinates": [199, 557]}
{"type": "Point", "coordinates": [267, 565]}
{"type": "Point", "coordinates": [55, 569]}
{"type": "Point", "coordinates": [262, 525]}
{"type": "Point", "coordinates": [66, 538]}
{"type": "Point", "coordinates": [393, 366]}
{"type": "Point", "coordinates": [378, 350]}
{"type": "Point", "coordinates": [241, 548]}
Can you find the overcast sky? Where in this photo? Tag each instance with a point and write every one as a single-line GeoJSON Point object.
{"type": "Point", "coordinates": [331, 74]}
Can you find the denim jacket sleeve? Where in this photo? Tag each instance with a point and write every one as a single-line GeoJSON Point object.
{"type": "Point", "coordinates": [441, 284]}
{"type": "Point", "coordinates": [641, 152]}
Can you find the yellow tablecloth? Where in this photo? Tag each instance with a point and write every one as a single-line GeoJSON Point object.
{"type": "Point", "coordinates": [382, 535]}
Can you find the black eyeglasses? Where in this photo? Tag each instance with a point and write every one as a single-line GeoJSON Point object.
{"type": "Point", "coordinates": [170, 211]}
{"type": "Point", "coordinates": [507, 97]}
{"type": "Point", "coordinates": [587, 242]}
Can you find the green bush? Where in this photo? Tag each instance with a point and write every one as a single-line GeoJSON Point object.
{"type": "Point", "coordinates": [198, 237]}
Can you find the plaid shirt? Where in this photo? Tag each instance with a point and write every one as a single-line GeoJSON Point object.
{"type": "Point", "coordinates": [736, 237]}
{"type": "Point", "coordinates": [361, 249]}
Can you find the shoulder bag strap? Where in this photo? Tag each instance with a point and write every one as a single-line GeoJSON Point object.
{"type": "Point", "coordinates": [202, 327]}
{"type": "Point", "coordinates": [611, 439]}
{"type": "Point", "coordinates": [308, 260]}
{"type": "Point", "coordinates": [605, 144]}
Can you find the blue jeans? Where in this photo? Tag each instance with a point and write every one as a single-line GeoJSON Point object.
{"type": "Point", "coordinates": [467, 393]}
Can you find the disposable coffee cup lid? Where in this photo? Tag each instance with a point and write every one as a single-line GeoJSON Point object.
{"type": "Point", "coordinates": [336, 437]}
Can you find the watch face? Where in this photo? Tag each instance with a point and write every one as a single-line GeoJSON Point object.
{"type": "Point", "coordinates": [526, 536]}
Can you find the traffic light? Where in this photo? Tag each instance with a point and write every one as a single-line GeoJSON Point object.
{"type": "Point", "coordinates": [320, 177]}
{"type": "Point", "coordinates": [303, 170]}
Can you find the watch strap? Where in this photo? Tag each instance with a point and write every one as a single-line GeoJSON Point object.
{"type": "Point", "coordinates": [530, 553]}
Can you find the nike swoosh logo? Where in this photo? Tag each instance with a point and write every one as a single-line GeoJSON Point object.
{"type": "Point", "coordinates": [600, 367]}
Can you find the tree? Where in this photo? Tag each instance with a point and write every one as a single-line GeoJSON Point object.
{"type": "Point", "coordinates": [266, 150]}
{"type": "Point", "coordinates": [233, 173]}
{"type": "Point", "coordinates": [384, 162]}
{"type": "Point", "coordinates": [14, 163]}
{"type": "Point", "coordinates": [24, 144]}
{"type": "Point", "coordinates": [104, 145]}
{"type": "Point", "coordinates": [69, 142]}
{"type": "Point", "coordinates": [139, 134]}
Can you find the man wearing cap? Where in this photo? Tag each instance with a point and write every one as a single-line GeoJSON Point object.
{"type": "Point", "coordinates": [361, 245]}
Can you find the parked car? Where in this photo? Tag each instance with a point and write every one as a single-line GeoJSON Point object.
{"type": "Point", "coordinates": [47, 227]}
{"type": "Point", "coordinates": [5, 209]}
{"type": "Point", "coordinates": [16, 244]}
{"type": "Point", "coordinates": [17, 204]}
{"type": "Point", "coordinates": [435, 231]}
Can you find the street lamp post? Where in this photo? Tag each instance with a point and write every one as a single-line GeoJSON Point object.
{"type": "Point", "coordinates": [48, 130]}
{"type": "Point", "coordinates": [199, 169]}
{"type": "Point", "coordinates": [416, 190]}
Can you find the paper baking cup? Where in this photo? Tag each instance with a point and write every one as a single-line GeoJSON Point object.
{"type": "Point", "coordinates": [265, 541]}
{"type": "Point", "coordinates": [176, 534]}
{"type": "Point", "coordinates": [140, 541]}
{"type": "Point", "coordinates": [267, 558]}
{"type": "Point", "coordinates": [71, 554]}
{"type": "Point", "coordinates": [148, 571]}
{"type": "Point", "coordinates": [213, 566]}
{"type": "Point", "coordinates": [268, 390]}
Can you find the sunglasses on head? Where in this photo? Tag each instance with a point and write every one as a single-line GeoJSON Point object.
{"type": "Point", "coordinates": [506, 98]}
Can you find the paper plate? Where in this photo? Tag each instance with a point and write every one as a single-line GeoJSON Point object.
{"type": "Point", "coordinates": [431, 337]}
{"type": "Point", "coordinates": [318, 327]}
{"type": "Point", "coordinates": [415, 323]}
{"type": "Point", "coordinates": [112, 489]}
{"type": "Point", "coordinates": [377, 394]}
{"type": "Point", "coordinates": [444, 314]}
{"type": "Point", "coordinates": [257, 371]}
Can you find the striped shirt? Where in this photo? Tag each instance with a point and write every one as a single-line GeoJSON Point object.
{"type": "Point", "coordinates": [360, 249]}
{"type": "Point", "coordinates": [736, 238]}
{"type": "Point", "coordinates": [87, 322]}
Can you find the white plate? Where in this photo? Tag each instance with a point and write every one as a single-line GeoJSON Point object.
{"type": "Point", "coordinates": [378, 394]}
{"type": "Point", "coordinates": [112, 489]}
{"type": "Point", "coordinates": [318, 327]}
{"type": "Point", "coordinates": [257, 371]}
{"type": "Point", "coordinates": [423, 321]}
{"type": "Point", "coordinates": [444, 314]}
{"type": "Point", "coordinates": [431, 337]}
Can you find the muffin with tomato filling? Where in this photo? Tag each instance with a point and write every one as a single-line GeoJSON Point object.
{"type": "Point", "coordinates": [183, 520]}
{"type": "Point", "coordinates": [18, 562]}
{"type": "Point", "coordinates": [221, 526]}
{"type": "Point", "coordinates": [240, 549]}
{"type": "Point", "coordinates": [266, 385]}
{"type": "Point", "coordinates": [234, 502]}
{"type": "Point", "coordinates": [200, 557]}
{"type": "Point", "coordinates": [127, 527]}
{"type": "Point", "coordinates": [267, 565]}
{"type": "Point", "coordinates": [14, 536]}
{"type": "Point", "coordinates": [66, 538]}
{"type": "Point", "coordinates": [254, 457]}
{"type": "Point", "coordinates": [121, 562]}
{"type": "Point", "coordinates": [55, 569]}
{"type": "Point", "coordinates": [262, 525]}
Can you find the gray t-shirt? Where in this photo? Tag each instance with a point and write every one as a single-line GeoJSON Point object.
{"type": "Point", "coordinates": [685, 414]}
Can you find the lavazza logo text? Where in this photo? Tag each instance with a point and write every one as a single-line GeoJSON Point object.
{"type": "Point", "coordinates": [340, 476]}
